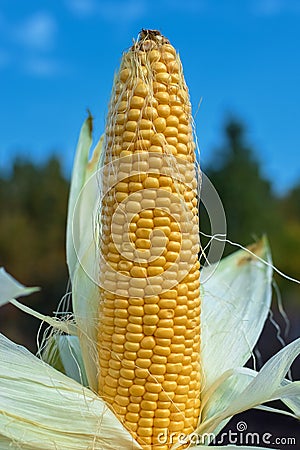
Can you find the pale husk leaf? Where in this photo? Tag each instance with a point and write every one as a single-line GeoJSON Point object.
{"type": "Point", "coordinates": [235, 305]}
{"type": "Point", "coordinates": [269, 409]}
{"type": "Point", "coordinates": [231, 398]}
{"type": "Point", "coordinates": [63, 326]}
{"type": "Point", "coordinates": [229, 389]}
{"type": "Point", "coordinates": [64, 354]}
{"type": "Point", "coordinates": [11, 288]}
{"type": "Point", "coordinates": [42, 408]}
{"type": "Point", "coordinates": [77, 182]}
{"type": "Point", "coordinates": [85, 303]}
{"type": "Point", "coordinates": [81, 229]}
{"type": "Point", "coordinates": [294, 402]}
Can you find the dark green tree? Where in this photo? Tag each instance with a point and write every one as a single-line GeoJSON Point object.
{"type": "Point", "coordinates": [33, 205]}
{"type": "Point", "coordinates": [290, 211]}
{"type": "Point", "coordinates": [249, 203]}
{"type": "Point", "coordinates": [252, 208]}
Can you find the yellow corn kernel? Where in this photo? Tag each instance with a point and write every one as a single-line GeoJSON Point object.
{"type": "Point", "coordinates": [149, 332]}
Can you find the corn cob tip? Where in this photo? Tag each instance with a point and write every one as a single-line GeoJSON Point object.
{"type": "Point", "coordinates": [148, 39]}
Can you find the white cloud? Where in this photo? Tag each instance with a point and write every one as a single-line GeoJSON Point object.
{"type": "Point", "coordinates": [188, 6]}
{"type": "Point", "coordinates": [275, 7]}
{"type": "Point", "coordinates": [109, 10]}
{"type": "Point", "coordinates": [37, 32]}
{"type": "Point", "coordinates": [82, 7]}
{"type": "Point", "coordinates": [29, 44]}
{"type": "Point", "coordinates": [42, 67]}
{"type": "Point", "coordinates": [268, 7]}
{"type": "Point", "coordinates": [124, 11]}
{"type": "Point", "coordinates": [130, 10]}
{"type": "Point", "coordinates": [4, 59]}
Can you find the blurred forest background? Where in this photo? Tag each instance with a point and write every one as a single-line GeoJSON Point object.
{"type": "Point", "coordinates": [33, 205]}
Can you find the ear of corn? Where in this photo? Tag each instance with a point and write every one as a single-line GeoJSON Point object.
{"type": "Point", "coordinates": [149, 314]}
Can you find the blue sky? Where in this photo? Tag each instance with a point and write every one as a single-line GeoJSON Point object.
{"type": "Point", "coordinates": [241, 58]}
